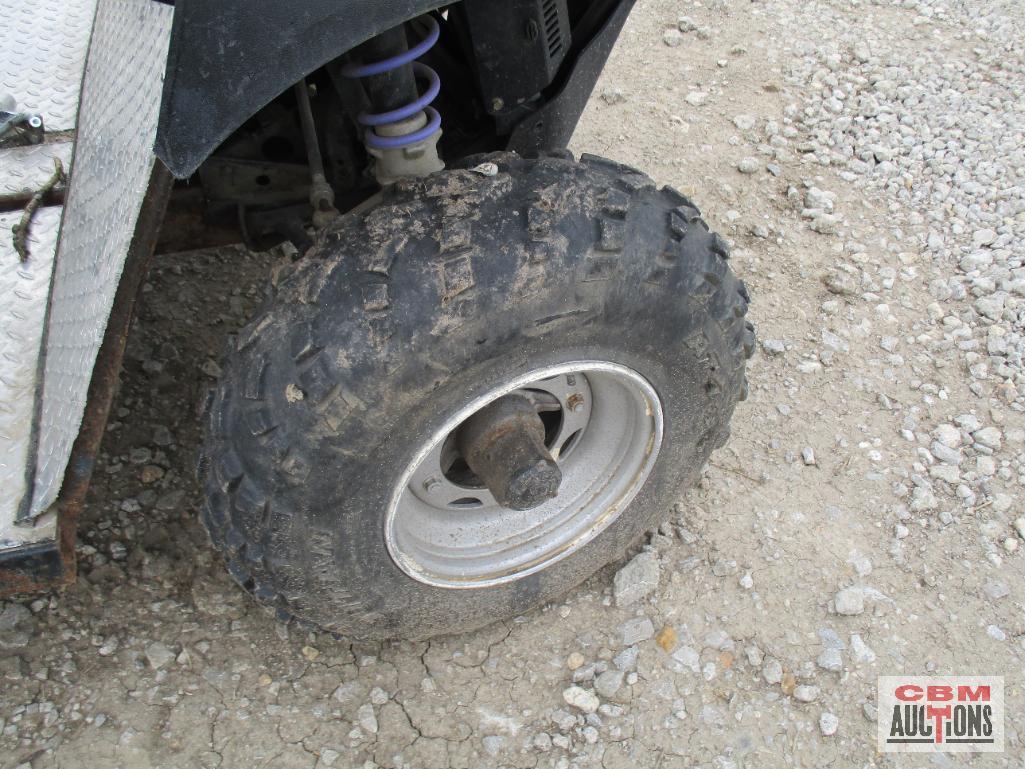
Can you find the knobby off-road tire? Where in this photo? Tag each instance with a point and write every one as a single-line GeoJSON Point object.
{"type": "Point", "coordinates": [402, 314]}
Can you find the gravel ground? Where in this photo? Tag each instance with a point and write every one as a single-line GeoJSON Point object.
{"type": "Point", "coordinates": [867, 162]}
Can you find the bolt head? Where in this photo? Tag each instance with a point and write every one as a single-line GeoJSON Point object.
{"type": "Point", "coordinates": [575, 402]}
{"type": "Point", "coordinates": [432, 484]}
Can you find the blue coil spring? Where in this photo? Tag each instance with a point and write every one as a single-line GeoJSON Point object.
{"type": "Point", "coordinates": [421, 72]}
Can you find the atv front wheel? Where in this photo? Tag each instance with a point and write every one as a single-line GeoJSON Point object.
{"type": "Point", "coordinates": [468, 398]}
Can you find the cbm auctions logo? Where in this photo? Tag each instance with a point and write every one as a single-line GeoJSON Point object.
{"type": "Point", "coordinates": [950, 714]}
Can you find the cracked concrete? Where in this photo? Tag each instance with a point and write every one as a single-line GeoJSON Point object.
{"type": "Point", "coordinates": [732, 671]}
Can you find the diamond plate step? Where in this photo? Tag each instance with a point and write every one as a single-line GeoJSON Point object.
{"type": "Point", "coordinates": [43, 45]}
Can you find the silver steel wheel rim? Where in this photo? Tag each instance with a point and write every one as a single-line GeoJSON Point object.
{"type": "Point", "coordinates": [442, 532]}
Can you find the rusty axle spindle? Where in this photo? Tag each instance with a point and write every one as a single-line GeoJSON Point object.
{"type": "Point", "coordinates": [504, 444]}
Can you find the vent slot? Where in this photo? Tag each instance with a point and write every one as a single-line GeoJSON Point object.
{"type": "Point", "coordinates": [553, 30]}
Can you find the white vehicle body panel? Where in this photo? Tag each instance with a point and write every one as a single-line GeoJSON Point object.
{"type": "Point", "coordinates": [113, 160]}
{"type": "Point", "coordinates": [23, 290]}
{"type": "Point", "coordinates": [44, 375]}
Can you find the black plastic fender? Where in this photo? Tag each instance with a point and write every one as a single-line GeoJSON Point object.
{"type": "Point", "coordinates": [228, 58]}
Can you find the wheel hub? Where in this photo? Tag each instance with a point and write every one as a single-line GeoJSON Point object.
{"type": "Point", "coordinates": [524, 475]}
{"type": "Point", "coordinates": [504, 444]}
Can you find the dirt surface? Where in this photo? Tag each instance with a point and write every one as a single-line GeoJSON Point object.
{"type": "Point", "coordinates": [865, 160]}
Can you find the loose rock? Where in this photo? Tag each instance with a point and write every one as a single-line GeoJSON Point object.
{"type": "Point", "coordinates": [637, 579]}
{"type": "Point", "coordinates": [828, 724]}
{"type": "Point", "coordinates": [581, 699]}
{"type": "Point", "coordinates": [850, 601]}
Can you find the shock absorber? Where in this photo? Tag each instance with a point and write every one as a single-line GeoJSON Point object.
{"type": "Point", "coordinates": [402, 131]}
